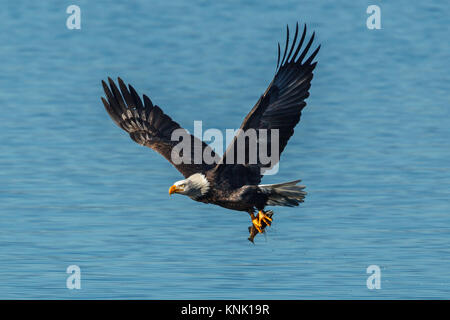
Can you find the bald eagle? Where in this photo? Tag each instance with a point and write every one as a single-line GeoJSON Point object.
{"type": "Point", "coordinates": [227, 182]}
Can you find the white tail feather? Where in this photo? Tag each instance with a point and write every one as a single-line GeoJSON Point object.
{"type": "Point", "coordinates": [287, 194]}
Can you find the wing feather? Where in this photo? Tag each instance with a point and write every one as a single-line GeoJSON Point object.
{"type": "Point", "coordinates": [279, 108]}
{"type": "Point", "coordinates": [148, 125]}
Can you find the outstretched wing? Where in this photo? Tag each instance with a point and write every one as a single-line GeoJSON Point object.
{"type": "Point", "coordinates": [149, 126]}
{"type": "Point", "coordinates": [279, 108]}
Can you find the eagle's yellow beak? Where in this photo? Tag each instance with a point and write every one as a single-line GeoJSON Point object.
{"type": "Point", "coordinates": [174, 189]}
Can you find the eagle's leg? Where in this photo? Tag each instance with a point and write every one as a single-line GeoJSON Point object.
{"type": "Point", "coordinates": [259, 223]}
{"type": "Point", "coordinates": [256, 222]}
{"type": "Point", "coordinates": [262, 216]}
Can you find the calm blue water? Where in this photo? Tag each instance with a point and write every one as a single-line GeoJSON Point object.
{"type": "Point", "coordinates": [373, 149]}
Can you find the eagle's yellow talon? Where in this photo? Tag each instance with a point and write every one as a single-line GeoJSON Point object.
{"type": "Point", "coordinates": [263, 217]}
{"type": "Point", "coordinates": [256, 223]}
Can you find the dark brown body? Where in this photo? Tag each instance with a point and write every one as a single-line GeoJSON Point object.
{"type": "Point", "coordinates": [247, 198]}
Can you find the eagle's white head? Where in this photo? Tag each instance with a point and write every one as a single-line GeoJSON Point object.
{"type": "Point", "coordinates": [194, 186]}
